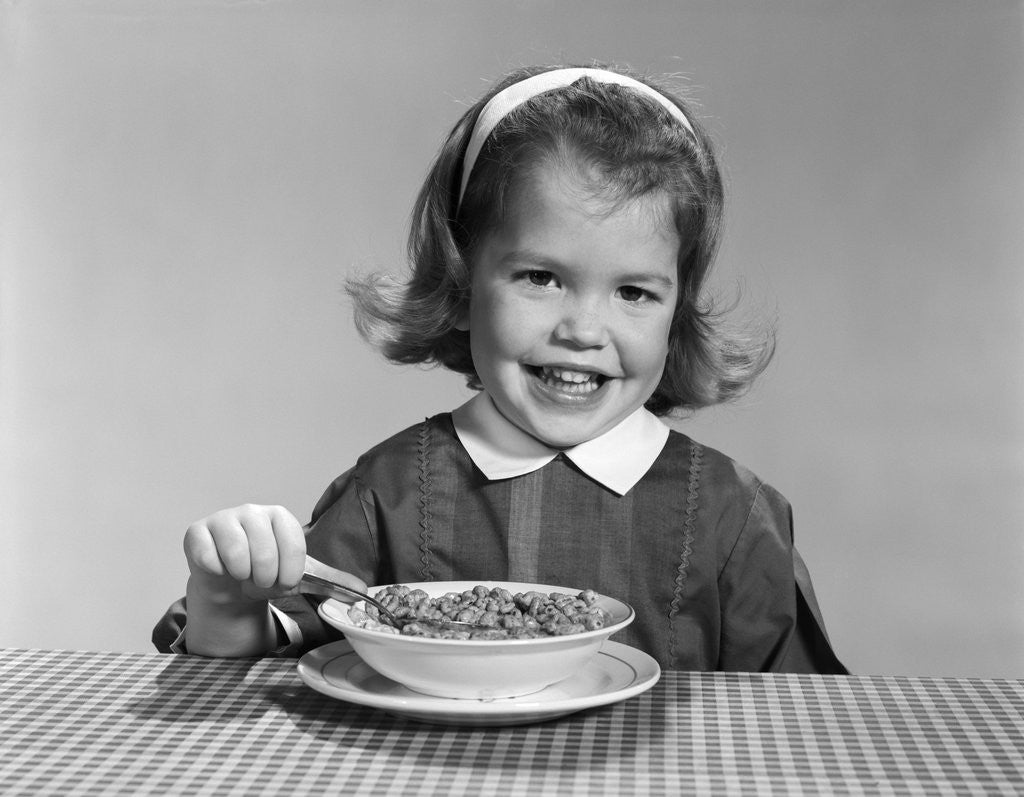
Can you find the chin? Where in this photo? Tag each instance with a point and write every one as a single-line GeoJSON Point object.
{"type": "Point", "coordinates": [566, 439]}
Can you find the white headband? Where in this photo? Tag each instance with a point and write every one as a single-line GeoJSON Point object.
{"type": "Point", "coordinates": [510, 98]}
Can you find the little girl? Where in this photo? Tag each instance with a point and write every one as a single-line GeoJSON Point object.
{"type": "Point", "coordinates": [560, 245]}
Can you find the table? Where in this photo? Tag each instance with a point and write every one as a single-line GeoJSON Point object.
{"type": "Point", "coordinates": [108, 723]}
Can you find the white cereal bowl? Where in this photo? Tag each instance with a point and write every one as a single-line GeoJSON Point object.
{"type": "Point", "coordinates": [476, 669]}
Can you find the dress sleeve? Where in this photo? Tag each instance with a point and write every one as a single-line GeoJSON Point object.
{"type": "Point", "coordinates": [169, 633]}
{"type": "Point", "coordinates": [770, 616]}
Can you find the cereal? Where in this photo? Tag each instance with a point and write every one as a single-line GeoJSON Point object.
{"type": "Point", "coordinates": [505, 616]}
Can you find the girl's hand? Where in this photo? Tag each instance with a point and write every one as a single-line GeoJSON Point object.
{"type": "Point", "coordinates": [247, 554]}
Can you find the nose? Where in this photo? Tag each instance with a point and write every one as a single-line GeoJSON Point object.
{"type": "Point", "coordinates": [583, 324]}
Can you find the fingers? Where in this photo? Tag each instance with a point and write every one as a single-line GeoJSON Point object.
{"type": "Point", "coordinates": [201, 549]}
{"type": "Point", "coordinates": [255, 529]}
{"type": "Point", "coordinates": [290, 540]}
{"type": "Point", "coordinates": [261, 544]}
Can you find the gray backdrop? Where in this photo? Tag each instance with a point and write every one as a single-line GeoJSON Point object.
{"type": "Point", "coordinates": [185, 186]}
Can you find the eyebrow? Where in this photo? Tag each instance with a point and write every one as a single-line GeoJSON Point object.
{"type": "Point", "coordinates": [532, 258]}
{"type": "Point", "coordinates": [527, 256]}
{"type": "Point", "coordinates": [665, 282]}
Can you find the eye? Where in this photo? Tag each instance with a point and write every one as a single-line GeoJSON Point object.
{"type": "Point", "coordinates": [634, 295]}
{"type": "Point", "coordinates": [540, 278]}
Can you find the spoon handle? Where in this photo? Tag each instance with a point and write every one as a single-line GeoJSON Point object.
{"type": "Point", "coordinates": [312, 584]}
{"type": "Point", "coordinates": [322, 579]}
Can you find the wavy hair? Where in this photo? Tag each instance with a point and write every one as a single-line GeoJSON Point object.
{"type": "Point", "coordinates": [635, 147]}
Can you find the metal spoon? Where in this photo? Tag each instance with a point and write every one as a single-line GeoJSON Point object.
{"type": "Point", "coordinates": [321, 579]}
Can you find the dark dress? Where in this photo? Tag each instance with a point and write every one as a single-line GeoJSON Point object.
{"type": "Point", "coordinates": [700, 547]}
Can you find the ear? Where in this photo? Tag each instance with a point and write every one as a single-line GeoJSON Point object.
{"type": "Point", "coordinates": [462, 320]}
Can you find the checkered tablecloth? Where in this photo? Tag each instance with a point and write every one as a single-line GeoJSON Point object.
{"type": "Point", "coordinates": [110, 723]}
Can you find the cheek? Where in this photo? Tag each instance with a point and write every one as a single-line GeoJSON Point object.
{"type": "Point", "coordinates": [648, 351]}
{"type": "Point", "coordinates": [492, 339]}
{"type": "Point", "coordinates": [654, 359]}
{"type": "Point", "coordinates": [502, 324]}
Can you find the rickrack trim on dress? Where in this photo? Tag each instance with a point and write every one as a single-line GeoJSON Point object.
{"type": "Point", "coordinates": [692, 494]}
{"type": "Point", "coordinates": [423, 457]}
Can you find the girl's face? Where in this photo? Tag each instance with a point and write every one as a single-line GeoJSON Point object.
{"type": "Point", "coordinates": [570, 307]}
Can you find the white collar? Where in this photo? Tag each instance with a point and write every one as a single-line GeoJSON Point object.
{"type": "Point", "coordinates": [617, 459]}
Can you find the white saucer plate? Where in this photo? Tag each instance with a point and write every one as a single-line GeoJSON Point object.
{"type": "Point", "coordinates": [616, 673]}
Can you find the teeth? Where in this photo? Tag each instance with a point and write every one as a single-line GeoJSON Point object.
{"type": "Point", "coordinates": [569, 376]}
{"type": "Point", "coordinates": [570, 381]}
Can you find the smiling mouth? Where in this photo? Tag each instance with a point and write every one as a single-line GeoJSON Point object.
{"type": "Point", "coordinates": [566, 380]}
